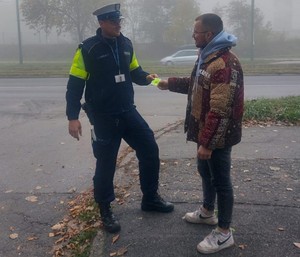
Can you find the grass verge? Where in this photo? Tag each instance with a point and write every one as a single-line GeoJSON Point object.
{"type": "Point", "coordinates": [283, 110]}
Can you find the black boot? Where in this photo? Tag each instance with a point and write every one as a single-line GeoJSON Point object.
{"type": "Point", "coordinates": [110, 222]}
{"type": "Point", "coordinates": [156, 203]}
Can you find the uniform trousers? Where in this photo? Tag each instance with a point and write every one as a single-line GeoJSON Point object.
{"type": "Point", "coordinates": [109, 131]}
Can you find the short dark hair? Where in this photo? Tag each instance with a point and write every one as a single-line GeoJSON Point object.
{"type": "Point", "coordinates": [211, 22]}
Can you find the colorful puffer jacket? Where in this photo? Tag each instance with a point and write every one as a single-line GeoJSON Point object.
{"type": "Point", "coordinates": [215, 100]}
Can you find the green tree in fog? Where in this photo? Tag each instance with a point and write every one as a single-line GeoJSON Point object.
{"type": "Point", "coordinates": [182, 17]}
{"type": "Point", "coordinates": [155, 19]}
{"type": "Point", "coordinates": [73, 16]}
{"type": "Point", "coordinates": [238, 16]}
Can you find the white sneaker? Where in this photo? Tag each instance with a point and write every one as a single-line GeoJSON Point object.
{"type": "Point", "coordinates": [199, 217]}
{"type": "Point", "coordinates": [215, 241]}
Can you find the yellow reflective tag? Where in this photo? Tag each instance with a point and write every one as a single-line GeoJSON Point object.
{"type": "Point", "coordinates": [155, 82]}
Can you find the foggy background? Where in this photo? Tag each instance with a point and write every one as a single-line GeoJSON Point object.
{"type": "Point", "coordinates": [281, 17]}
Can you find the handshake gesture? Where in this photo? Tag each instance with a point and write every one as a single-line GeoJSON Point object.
{"type": "Point", "coordinates": [161, 84]}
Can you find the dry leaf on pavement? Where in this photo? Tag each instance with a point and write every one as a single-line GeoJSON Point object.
{"type": "Point", "coordinates": [274, 168]}
{"type": "Point", "coordinates": [115, 239]}
{"type": "Point", "coordinates": [57, 226]}
{"type": "Point", "coordinates": [31, 199]}
{"type": "Point", "coordinates": [32, 238]}
{"type": "Point", "coordinates": [242, 246]}
{"type": "Point", "coordinates": [13, 236]}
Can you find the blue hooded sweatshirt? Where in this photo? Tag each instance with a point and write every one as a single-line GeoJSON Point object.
{"type": "Point", "coordinates": [220, 41]}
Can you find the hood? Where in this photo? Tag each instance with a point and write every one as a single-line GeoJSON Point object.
{"type": "Point", "coordinates": [222, 40]}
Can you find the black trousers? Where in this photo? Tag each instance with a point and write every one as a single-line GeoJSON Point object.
{"type": "Point", "coordinates": [109, 131]}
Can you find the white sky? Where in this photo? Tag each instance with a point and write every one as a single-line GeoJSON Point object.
{"type": "Point", "coordinates": [283, 15]}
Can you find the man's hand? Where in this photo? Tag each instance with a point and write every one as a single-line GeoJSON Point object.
{"type": "Point", "coordinates": [75, 128]}
{"type": "Point", "coordinates": [150, 77]}
{"type": "Point", "coordinates": [163, 85]}
{"type": "Point", "coordinates": [204, 153]}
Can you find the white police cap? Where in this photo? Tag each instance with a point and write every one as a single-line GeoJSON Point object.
{"type": "Point", "coordinates": [109, 12]}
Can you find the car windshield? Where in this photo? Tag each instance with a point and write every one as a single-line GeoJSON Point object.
{"type": "Point", "coordinates": [185, 53]}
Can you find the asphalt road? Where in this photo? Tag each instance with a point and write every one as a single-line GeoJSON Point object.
{"type": "Point", "coordinates": [42, 167]}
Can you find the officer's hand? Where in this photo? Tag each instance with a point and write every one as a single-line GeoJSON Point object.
{"type": "Point", "coordinates": [163, 85]}
{"type": "Point", "coordinates": [150, 77]}
{"type": "Point", "coordinates": [204, 153]}
{"type": "Point", "coordinates": [75, 128]}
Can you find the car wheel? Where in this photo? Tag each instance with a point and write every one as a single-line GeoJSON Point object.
{"type": "Point", "coordinates": [169, 63]}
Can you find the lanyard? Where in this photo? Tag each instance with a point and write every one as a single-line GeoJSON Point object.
{"type": "Point", "coordinates": [116, 55]}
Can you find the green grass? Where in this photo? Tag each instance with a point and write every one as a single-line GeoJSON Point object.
{"type": "Point", "coordinates": [285, 110]}
{"type": "Point", "coordinates": [34, 70]}
{"type": "Point", "coordinates": [82, 243]}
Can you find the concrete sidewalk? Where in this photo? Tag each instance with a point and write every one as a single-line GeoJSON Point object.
{"type": "Point", "coordinates": [266, 219]}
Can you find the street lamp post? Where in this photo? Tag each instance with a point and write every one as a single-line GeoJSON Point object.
{"type": "Point", "coordinates": [19, 33]}
{"type": "Point", "coordinates": [252, 30]}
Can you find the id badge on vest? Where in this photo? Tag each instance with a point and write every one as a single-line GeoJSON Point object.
{"type": "Point", "coordinates": [120, 78]}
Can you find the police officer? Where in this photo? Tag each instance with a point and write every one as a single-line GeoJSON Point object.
{"type": "Point", "coordinates": [104, 68]}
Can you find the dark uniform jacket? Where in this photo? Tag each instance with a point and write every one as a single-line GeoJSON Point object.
{"type": "Point", "coordinates": [96, 63]}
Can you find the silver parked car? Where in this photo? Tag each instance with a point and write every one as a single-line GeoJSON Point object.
{"type": "Point", "coordinates": [182, 57]}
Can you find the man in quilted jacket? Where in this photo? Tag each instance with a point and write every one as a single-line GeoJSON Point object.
{"type": "Point", "coordinates": [213, 120]}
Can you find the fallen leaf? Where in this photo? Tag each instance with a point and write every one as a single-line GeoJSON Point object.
{"type": "Point", "coordinates": [115, 239]}
{"type": "Point", "coordinates": [59, 240]}
{"type": "Point", "coordinates": [13, 236]}
{"type": "Point", "coordinates": [297, 245]}
{"type": "Point", "coordinates": [72, 190]}
{"type": "Point", "coordinates": [57, 226]}
{"type": "Point", "coordinates": [51, 235]}
{"type": "Point", "coordinates": [113, 254]}
{"type": "Point", "coordinates": [90, 208]}
{"type": "Point", "coordinates": [281, 229]}
{"type": "Point", "coordinates": [274, 168]}
{"type": "Point", "coordinates": [31, 199]}
{"type": "Point", "coordinates": [242, 246]}
{"type": "Point", "coordinates": [289, 189]}
{"type": "Point", "coordinates": [31, 238]}
{"type": "Point", "coordinates": [122, 251]}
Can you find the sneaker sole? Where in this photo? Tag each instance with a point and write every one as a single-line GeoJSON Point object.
{"type": "Point", "coordinates": [200, 222]}
{"type": "Point", "coordinates": [214, 251]}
